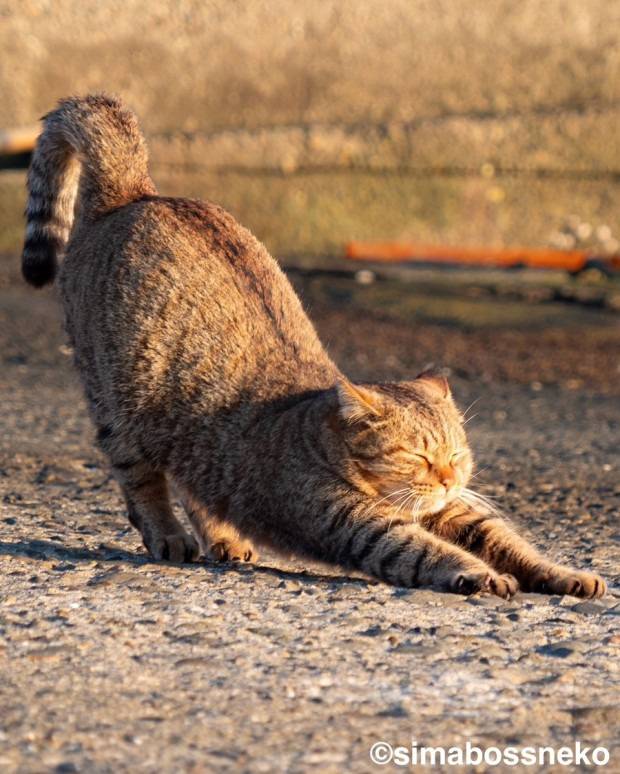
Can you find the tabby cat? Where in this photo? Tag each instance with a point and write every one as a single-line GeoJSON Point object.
{"type": "Point", "coordinates": [202, 372]}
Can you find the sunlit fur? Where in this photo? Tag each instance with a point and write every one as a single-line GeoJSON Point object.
{"type": "Point", "coordinates": [202, 372]}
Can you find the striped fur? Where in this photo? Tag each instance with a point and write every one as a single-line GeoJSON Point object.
{"type": "Point", "coordinates": [202, 371]}
{"type": "Point", "coordinates": [489, 536]}
{"type": "Point", "coordinates": [94, 143]}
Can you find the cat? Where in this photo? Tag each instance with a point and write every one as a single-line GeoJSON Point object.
{"type": "Point", "coordinates": [202, 372]}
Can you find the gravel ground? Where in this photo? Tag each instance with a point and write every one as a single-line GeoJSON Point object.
{"type": "Point", "coordinates": [110, 662]}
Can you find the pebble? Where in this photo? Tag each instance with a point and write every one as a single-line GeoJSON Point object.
{"type": "Point", "coordinates": [590, 608]}
{"type": "Point", "coordinates": [565, 648]}
{"type": "Point", "coordinates": [486, 601]}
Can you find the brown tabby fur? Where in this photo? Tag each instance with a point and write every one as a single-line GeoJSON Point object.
{"type": "Point", "coordinates": [202, 371]}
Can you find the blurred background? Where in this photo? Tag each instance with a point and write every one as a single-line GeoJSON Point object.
{"type": "Point", "coordinates": [449, 121]}
{"type": "Point", "coordinates": [460, 124]}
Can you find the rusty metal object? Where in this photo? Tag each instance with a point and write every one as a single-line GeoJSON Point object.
{"type": "Point", "coordinates": [504, 257]}
{"type": "Point", "coordinates": [15, 141]}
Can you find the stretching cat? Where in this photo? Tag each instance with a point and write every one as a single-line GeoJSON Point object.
{"type": "Point", "coordinates": [202, 370]}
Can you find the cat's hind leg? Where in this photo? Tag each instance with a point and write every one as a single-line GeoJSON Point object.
{"type": "Point", "coordinates": [148, 504]}
{"type": "Point", "coordinates": [218, 539]}
{"type": "Point", "coordinates": [145, 490]}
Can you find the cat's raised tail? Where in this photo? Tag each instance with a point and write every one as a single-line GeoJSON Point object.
{"type": "Point", "coordinates": [90, 158]}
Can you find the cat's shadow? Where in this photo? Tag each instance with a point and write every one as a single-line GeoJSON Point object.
{"type": "Point", "coordinates": [46, 550]}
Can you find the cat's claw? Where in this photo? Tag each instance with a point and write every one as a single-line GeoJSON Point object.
{"type": "Point", "coordinates": [226, 551]}
{"type": "Point", "coordinates": [575, 583]}
{"type": "Point", "coordinates": [178, 548]}
{"type": "Point", "coordinates": [504, 586]}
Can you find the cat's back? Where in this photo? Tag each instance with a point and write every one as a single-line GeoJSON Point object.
{"type": "Point", "coordinates": [167, 284]}
{"type": "Point", "coordinates": [157, 247]}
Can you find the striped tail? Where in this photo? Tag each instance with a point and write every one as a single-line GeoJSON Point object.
{"type": "Point", "coordinates": [90, 158]}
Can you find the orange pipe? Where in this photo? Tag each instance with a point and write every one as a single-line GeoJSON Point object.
{"type": "Point", "coordinates": [542, 258]}
{"type": "Point", "coordinates": [14, 141]}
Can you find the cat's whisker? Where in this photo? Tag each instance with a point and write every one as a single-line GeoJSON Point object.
{"type": "Point", "coordinates": [400, 492]}
{"type": "Point", "coordinates": [479, 472]}
{"type": "Point", "coordinates": [471, 405]}
{"type": "Point", "coordinates": [400, 502]}
{"type": "Point", "coordinates": [392, 494]}
{"type": "Point", "coordinates": [412, 499]}
{"type": "Point", "coordinates": [376, 504]}
{"type": "Point", "coordinates": [416, 508]}
{"type": "Point", "coordinates": [406, 493]}
{"type": "Point", "coordinates": [405, 502]}
{"type": "Point", "coordinates": [477, 500]}
{"type": "Point", "coordinates": [463, 491]}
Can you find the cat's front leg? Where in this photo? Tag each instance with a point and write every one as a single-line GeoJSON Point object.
{"type": "Point", "coordinates": [488, 536]}
{"type": "Point", "coordinates": [404, 554]}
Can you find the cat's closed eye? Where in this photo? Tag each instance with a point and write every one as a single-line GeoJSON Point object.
{"type": "Point", "coordinates": [421, 460]}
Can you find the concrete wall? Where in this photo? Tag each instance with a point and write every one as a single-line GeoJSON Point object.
{"type": "Point", "coordinates": [463, 120]}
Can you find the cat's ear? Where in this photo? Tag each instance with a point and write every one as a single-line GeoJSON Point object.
{"type": "Point", "coordinates": [356, 402]}
{"type": "Point", "coordinates": [434, 384]}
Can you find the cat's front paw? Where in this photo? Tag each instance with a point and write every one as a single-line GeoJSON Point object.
{"type": "Point", "coordinates": [576, 583]}
{"type": "Point", "coordinates": [505, 586]}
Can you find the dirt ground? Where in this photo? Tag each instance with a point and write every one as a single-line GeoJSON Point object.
{"type": "Point", "coordinates": [110, 662]}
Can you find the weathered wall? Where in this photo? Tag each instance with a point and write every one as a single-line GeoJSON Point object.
{"type": "Point", "coordinates": [461, 120]}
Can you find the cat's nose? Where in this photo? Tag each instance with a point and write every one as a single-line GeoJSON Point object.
{"type": "Point", "coordinates": [446, 478]}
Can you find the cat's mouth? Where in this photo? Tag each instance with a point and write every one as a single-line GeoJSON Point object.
{"type": "Point", "coordinates": [436, 505]}
{"type": "Point", "coordinates": [418, 503]}
{"type": "Point", "coordinates": [424, 504]}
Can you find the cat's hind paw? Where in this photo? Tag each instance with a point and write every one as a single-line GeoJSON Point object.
{"type": "Point", "coordinates": [178, 547]}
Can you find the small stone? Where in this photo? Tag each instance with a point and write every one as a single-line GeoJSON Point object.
{"type": "Point", "coordinates": [395, 711]}
{"type": "Point", "coordinates": [365, 277]}
{"type": "Point", "coordinates": [486, 601]}
{"type": "Point", "coordinates": [428, 598]}
{"type": "Point", "coordinates": [116, 576]}
{"type": "Point", "coordinates": [193, 661]}
{"type": "Point", "coordinates": [63, 567]}
{"type": "Point", "coordinates": [589, 608]}
{"type": "Point", "coordinates": [372, 631]}
{"type": "Point", "coordinates": [51, 652]}
{"type": "Point", "coordinates": [513, 675]}
{"type": "Point", "coordinates": [537, 599]}
{"type": "Point", "coordinates": [409, 646]}
{"type": "Point", "coordinates": [564, 648]}
{"type": "Point", "coordinates": [558, 651]}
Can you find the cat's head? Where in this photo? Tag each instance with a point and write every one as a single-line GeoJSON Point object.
{"type": "Point", "coordinates": [405, 441]}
